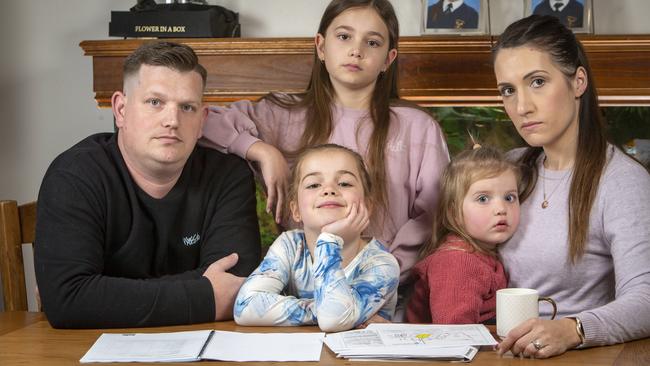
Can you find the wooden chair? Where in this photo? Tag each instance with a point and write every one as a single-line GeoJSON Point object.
{"type": "Point", "coordinates": [17, 226]}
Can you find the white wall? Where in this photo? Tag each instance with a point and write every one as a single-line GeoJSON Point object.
{"type": "Point", "coordinates": [46, 86]}
{"type": "Point", "coordinates": [46, 99]}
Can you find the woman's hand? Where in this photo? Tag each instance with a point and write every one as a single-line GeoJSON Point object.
{"type": "Point", "coordinates": [275, 173]}
{"type": "Point", "coordinates": [352, 225]}
{"type": "Point", "coordinates": [553, 336]}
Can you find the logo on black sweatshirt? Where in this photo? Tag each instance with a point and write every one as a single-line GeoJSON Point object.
{"type": "Point", "coordinates": [191, 240]}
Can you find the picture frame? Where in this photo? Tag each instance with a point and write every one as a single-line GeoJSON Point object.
{"type": "Point", "coordinates": [465, 17]}
{"type": "Point", "coordinates": [569, 14]}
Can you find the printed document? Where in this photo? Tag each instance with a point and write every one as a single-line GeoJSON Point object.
{"type": "Point", "coordinates": [234, 346]}
{"type": "Point", "coordinates": [434, 334]}
{"type": "Point", "coordinates": [398, 341]}
{"type": "Point", "coordinates": [148, 347]}
{"type": "Point", "coordinates": [205, 344]}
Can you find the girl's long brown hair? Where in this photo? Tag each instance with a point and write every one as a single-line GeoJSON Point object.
{"type": "Point", "coordinates": [319, 98]}
{"type": "Point", "coordinates": [547, 34]}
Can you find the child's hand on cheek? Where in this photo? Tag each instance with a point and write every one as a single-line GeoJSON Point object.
{"type": "Point", "coordinates": [350, 227]}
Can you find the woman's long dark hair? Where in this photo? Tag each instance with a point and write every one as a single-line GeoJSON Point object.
{"type": "Point", "coordinates": [547, 34]}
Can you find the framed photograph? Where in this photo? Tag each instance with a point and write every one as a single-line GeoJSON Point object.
{"type": "Point", "coordinates": [455, 16]}
{"type": "Point", "coordinates": [574, 14]}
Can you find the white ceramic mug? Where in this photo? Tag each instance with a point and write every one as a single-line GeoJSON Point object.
{"type": "Point", "coordinates": [516, 305]}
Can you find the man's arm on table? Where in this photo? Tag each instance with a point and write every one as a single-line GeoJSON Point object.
{"type": "Point", "coordinates": [70, 254]}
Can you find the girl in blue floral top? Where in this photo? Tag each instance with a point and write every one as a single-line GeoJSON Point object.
{"type": "Point", "coordinates": [326, 273]}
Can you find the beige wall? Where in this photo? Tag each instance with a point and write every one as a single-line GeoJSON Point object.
{"type": "Point", "coordinates": [46, 95]}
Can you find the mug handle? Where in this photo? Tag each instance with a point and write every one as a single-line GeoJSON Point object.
{"type": "Point", "coordinates": [550, 301]}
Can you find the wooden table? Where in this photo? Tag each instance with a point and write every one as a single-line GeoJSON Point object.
{"type": "Point", "coordinates": [28, 339]}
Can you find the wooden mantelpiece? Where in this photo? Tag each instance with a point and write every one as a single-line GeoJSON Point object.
{"type": "Point", "coordinates": [434, 71]}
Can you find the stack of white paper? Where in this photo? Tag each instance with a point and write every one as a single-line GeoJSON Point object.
{"type": "Point", "coordinates": [399, 341]}
{"type": "Point", "coordinates": [205, 344]}
{"type": "Point", "coordinates": [148, 347]}
{"type": "Point", "coordinates": [244, 347]}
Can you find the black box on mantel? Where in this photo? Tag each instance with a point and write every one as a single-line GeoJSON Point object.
{"type": "Point", "coordinates": [176, 21]}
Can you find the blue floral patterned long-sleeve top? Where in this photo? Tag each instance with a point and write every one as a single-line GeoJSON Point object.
{"type": "Point", "coordinates": [288, 288]}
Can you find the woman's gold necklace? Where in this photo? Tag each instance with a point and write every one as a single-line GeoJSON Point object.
{"type": "Point", "coordinates": [546, 198]}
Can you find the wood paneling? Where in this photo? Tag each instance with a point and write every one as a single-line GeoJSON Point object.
{"type": "Point", "coordinates": [434, 71]}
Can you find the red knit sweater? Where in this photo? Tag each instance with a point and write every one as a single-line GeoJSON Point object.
{"type": "Point", "coordinates": [455, 285]}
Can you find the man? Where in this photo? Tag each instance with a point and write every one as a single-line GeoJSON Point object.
{"type": "Point", "coordinates": [569, 12]}
{"type": "Point", "coordinates": [452, 14]}
{"type": "Point", "coordinates": [138, 228]}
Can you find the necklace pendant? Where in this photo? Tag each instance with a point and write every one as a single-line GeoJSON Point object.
{"type": "Point", "coordinates": [545, 204]}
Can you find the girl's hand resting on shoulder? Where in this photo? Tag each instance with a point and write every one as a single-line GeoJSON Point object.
{"type": "Point", "coordinates": [352, 225]}
{"type": "Point", "coordinates": [553, 337]}
{"type": "Point", "coordinates": [275, 173]}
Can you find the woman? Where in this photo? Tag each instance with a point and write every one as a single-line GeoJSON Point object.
{"type": "Point", "coordinates": [584, 237]}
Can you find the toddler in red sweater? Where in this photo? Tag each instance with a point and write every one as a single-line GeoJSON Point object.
{"type": "Point", "coordinates": [457, 280]}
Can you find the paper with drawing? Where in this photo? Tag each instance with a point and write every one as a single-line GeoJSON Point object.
{"type": "Point", "coordinates": [444, 342]}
